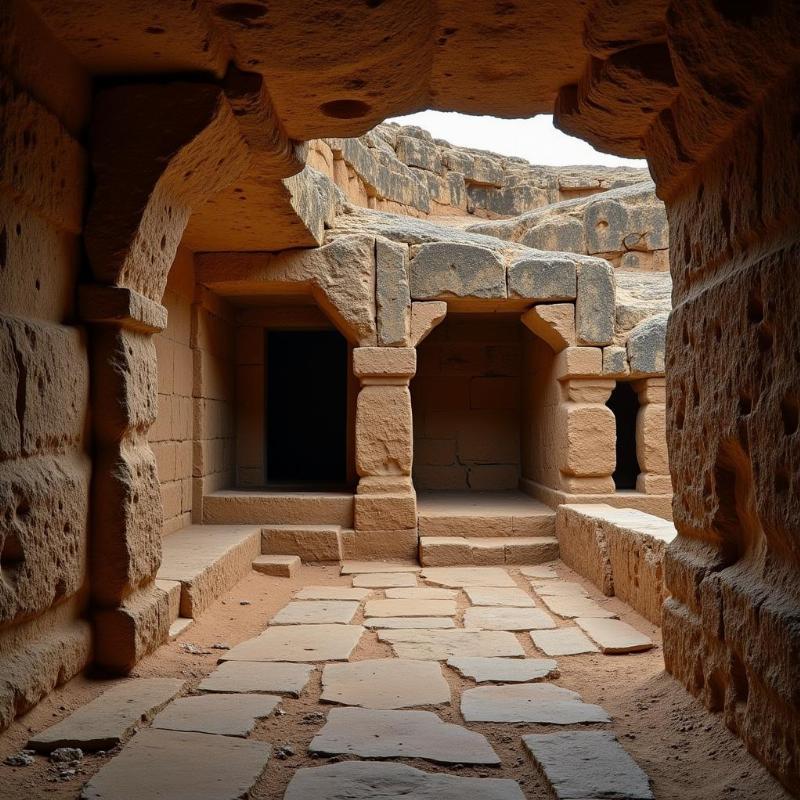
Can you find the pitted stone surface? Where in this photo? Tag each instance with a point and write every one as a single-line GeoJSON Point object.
{"type": "Point", "coordinates": [439, 269]}
{"type": "Point", "coordinates": [421, 593]}
{"type": "Point", "coordinates": [173, 765]}
{"type": "Point", "coordinates": [407, 734]}
{"type": "Point", "coordinates": [468, 576]}
{"type": "Point", "coordinates": [575, 606]}
{"type": "Point", "coordinates": [559, 589]}
{"type": "Point", "coordinates": [497, 596]}
{"type": "Point", "coordinates": [563, 642]}
{"type": "Point", "coordinates": [367, 567]}
{"type": "Point", "coordinates": [385, 683]}
{"type": "Point", "coordinates": [539, 572]}
{"type": "Point", "coordinates": [614, 635]}
{"type": "Point", "coordinates": [505, 670]}
{"type": "Point", "coordinates": [332, 593]}
{"type": "Point", "coordinates": [299, 643]}
{"type": "Point", "coordinates": [410, 608]}
{"type": "Point", "coordinates": [254, 677]}
{"type": "Point", "coordinates": [441, 645]}
{"type": "Point", "coordinates": [581, 764]}
{"type": "Point", "coordinates": [315, 612]}
{"type": "Point", "coordinates": [507, 619]}
{"type": "Point", "coordinates": [359, 780]}
{"type": "Point", "coordinates": [409, 623]}
{"type": "Point", "coordinates": [528, 702]}
{"type": "Point", "coordinates": [384, 580]}
{"type": "Point", "coordinates": [108, 719]}
{"type": "Point", "coordinates": [223, 714]}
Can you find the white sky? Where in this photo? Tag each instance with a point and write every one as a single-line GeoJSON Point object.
{"type": "Point", "coordinates": [536, 140]}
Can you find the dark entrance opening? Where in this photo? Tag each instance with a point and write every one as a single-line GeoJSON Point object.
{"type": "Point", "coordinates": [624, 402]}
{"type": "Point", "coordinates": [306, 396]}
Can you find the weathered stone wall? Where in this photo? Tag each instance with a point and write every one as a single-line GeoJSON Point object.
{"type": "Point", "coordinates": [45, 469]}
{"type": "Point", "coordinates": [171, 435]}
{"type": "Point", "coordinates": [466, 400]}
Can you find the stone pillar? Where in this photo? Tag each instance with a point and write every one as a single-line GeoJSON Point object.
{"type": "Point", "coordinates": [385, 503]}
{"type": "Point", "coordinates": [585, 436]}
{"type": "Point", "coordinates": [651, 437]}
{"type": "Point", "coordinates": [130, 615]}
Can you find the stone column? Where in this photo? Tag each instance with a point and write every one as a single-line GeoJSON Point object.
{"type": "Point", "coordinates": [385, 504]}
{"type": "Point", "coordinates": [585, 427]}
{"type": "Point", "coordinates": [130, 615]}
{"type": "Point", "coordinates": [651, 437]}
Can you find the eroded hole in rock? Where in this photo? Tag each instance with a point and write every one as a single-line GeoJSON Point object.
{"type": "Point", "coordinates": [241, 12]}
{"type": "Point", "coordinates": [624, 403]}
{"type": "Point", "coordinates": [789, 415]}
{"type": "Point", "coordinates": [345, 109]}
{"type": "Point", "coordinates": [3, 248]}
{"type": "Point", "coordinates": [12, 555]}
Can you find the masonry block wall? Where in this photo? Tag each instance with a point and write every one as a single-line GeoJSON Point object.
{"type": "Point", "coordinates": [45, 442]}
{"type": "Point", "coordinates": [466, 399]}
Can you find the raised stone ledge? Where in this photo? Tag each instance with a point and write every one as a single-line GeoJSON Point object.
{"type": "Point", "coordinates": [621, 550]}
{"type": "Point", "coordinates": [118, 305]}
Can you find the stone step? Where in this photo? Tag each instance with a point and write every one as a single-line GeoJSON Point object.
{"type": "Point", "coordinates": [278, 508]}
{"type": "Point", "coordinates": [309, 542]}
{"type": "Point", "coordinates": [483, 514]}
{"type": "Point", "coordinates": [207, 561]}
{"type": "Point", "coordinates": [451, 551]}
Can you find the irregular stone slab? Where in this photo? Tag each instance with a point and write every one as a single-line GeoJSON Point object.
{"type": "Point", "coordinates": [547, 277]}
{"type": "Point", "coordinates": [539, 571]}
{"type": "Point", "coordinates": [559, 589]}
{"type": "Point", "coordinates": [496, 596]}
{"type": "Point", "coordinates": [580, 764]}
{"type": "Point", "coordinates": [441, 269]}
{"type": "Point", "coordinates": [421, 593]}
{"type": "Point", "coordinates": [361, 780]}
{"type": "Point", "coordinates": [563, 642]}
{"type": "Point", "coordinates": [441, 645]}
{"type": "Point", "coordinates": [255, 677]}
{"type": "Point", "coordinates": [575, 606]}
{"type": "Point", "coordinates": [385, 580]}
{"type": "Point", "coordinates": [647, 344]}
{"type": "Point", "coordinates": [406, 734]}
{"type": "Point", "coordinates": [299, 643]}
{"type": "Point", "coordinates": [507, 619]}
{"type": "Point", "coordinates": [511, 670]}
{"type": "Point", "coordinates": [410, 608]}
{"type": "Point", "coordinates": [528, 702]}
{"type": "Point", "coordinates": [332, 593]}
{"type": "Point", "coordinates": [410, 622]}
{"type": "Point", "coordinates": [173, 765]}
{"type": "Point", "coordinates": [367, 567]}
{"type": "Point", "coordinates": [315, 612]}
{"type": "Point", "coordinates": [614, 635]}
{"type": "Point", "coordinates": [280, 566]}
{"type": "Point", "coordinates": [385, 683]}
{"type": "Point", "coordinates": [460, 577]}
{"type": "Point", "coordinates": [223, 714]}
{"type": "Point", "coordinates": [105, 721]}
{"type": "Point", "coordinates": [594, 306]}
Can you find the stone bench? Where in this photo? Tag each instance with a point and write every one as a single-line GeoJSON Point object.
{"type": "Point", "coordinates": [621, 550]}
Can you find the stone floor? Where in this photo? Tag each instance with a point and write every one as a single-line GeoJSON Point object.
{"type": "Point", "coordinates": [289, 688]}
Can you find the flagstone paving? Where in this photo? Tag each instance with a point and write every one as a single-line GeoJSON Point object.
{"type": "Point", "coordinates": [407, 734]}
{"type": "Point", "coordinates": [460, 577]}
{"type": "Point", "coordinates": [366, 567]}
{"type": "Point", "coordinates": [172, 765]}
{"type": "Point", "coordinates": [539, 571]}
{"type": "Point", "coordinates": [614, 635]}
{"type": "Point", "coordinates": [571, 606]}
{"type": "Point", "coordinates": [496, 596]}
{"type": "Point", "coordinates": [559, 589]}
{"type": "Point", "coordinates": [299, 643]}
{"type": "Point", "coordinates": [503, 670]}
{"type": "Point", "coordinates": [384, 580]}
{"type": "Point", "coordinates": [258, 676]}
{"type": "Point", "coordinates": [410, 608]}
{"type": "Point", "coordinates": [563, 642]}
{"type": "Point", "coordinates": [225, 714]}
{"type": "Point", "coordinates": [332, 593]}
{"type": "Point", "coordinates": [316, 612]}
{"type": "Point", "coordinates": [528, 702]}
{"type": "Point", "coordinates": [586, 764]}
{"type": "Point", "coordinates": [385, 683]}
{"type": "Point", "coordinates": [421, 593]}
{"type": "Point", "coordinates": [441, 645]}
{"type": "Point", "coordinates": [362, 780]}
{"type": "Point", "coordinates": [507, 619]}
{"type": "Point", "coordinates": [408, 623]}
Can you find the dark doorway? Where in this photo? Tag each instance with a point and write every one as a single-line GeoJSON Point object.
{"type": "Point", "coordinates": [306, 407]}
{"type": "Point", "coordinates": [624, 402]}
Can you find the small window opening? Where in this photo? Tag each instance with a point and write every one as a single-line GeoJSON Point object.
{"type": "Point", "coordinates": [624, 403]}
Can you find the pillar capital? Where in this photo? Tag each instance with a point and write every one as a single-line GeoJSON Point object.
{"type": "Point", "coordinates": [384, 365]}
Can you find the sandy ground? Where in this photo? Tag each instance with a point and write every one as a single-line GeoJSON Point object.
{"type": "Point", "coordinates": [688, 753]}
